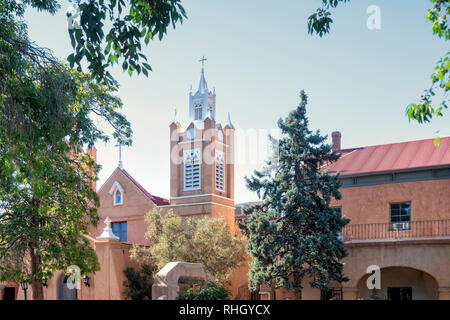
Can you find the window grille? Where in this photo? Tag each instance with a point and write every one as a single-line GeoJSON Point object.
{"type": "Point", "coordinates": [220, 170]}
{"type": "Point", "coordinates": [198, 113]}
{"type": "Point", "coordinates": [192, 169]}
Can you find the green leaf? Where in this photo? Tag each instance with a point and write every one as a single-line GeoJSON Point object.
{"type": "Point", "coordinates": [437, 141]}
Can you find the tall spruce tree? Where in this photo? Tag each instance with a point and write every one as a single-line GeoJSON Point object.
{"type": "Point", "coordinates": [294, 233]}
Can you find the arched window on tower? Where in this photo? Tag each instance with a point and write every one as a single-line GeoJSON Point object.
{"type": "Point", "coordinates": [198, 112]}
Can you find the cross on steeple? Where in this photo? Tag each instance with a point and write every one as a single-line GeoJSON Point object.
{"type": "Point", "coordinates": [120, 155]}
{"type": "Point", "coordinates": [202, 60]}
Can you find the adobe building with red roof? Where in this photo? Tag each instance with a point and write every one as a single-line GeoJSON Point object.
{"type": "Point", "coordinates": [397, 197]}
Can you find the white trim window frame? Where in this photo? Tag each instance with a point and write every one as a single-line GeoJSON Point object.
{"type": "Point", "coordinates": [117, 187]}
{"type": "Point", "coordinates": [220, 171]}
{"type": "Point", "coordinates": [192, 169]}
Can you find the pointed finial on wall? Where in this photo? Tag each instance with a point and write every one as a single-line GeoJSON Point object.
{"type": "Point", "coordinates": [209, 115]}
{"type": "Point", "coordinates": [229, 124]}
{"type": "Point", "coordinates": [107, 231]}
{"type": "Point", "coordinates": [108, 223]}
{"type": "Point", "coordinates": [175, 119]}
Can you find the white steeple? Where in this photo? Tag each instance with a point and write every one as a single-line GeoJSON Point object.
{"type": "Point", "coordinates": [202, 86]}
{"type": "Point", "coordinates": [203, 103]}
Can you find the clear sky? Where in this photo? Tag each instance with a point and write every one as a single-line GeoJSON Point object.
{"type": "Point", "coordinates": [359, 81]}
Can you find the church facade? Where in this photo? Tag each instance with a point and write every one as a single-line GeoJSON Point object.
{"type": "Point", "coordinates": [396, 195]}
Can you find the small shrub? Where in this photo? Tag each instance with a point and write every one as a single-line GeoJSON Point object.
{"type": "Point", "coordinates": [377, 297]}
{"type": "Point", "coordinates": [212, 291]}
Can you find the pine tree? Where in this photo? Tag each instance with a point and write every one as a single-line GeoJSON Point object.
{"type": "Point", "coordinates": [293, 232]}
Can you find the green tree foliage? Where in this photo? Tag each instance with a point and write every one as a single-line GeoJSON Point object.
{"type": "Point", "coordinates": [424, 111]}
{"type": "Point", "coordinates": [294, 233]}
{"type": "Point", "coordinates": [320, 21]}
{"type": "Point", "coordinates": [49, 114]}
{"type": "Point", "coordinates": [200, 240]}
{"type": "Point", "coordinates": [46, 197]}
{"type": "Point", "coordinates": [439, 15]}
{"type": "Point", "coordinates": [131, 23]}
{"type": "Point", "coordinates": [138, 285]}
{"type": "Point", "coordinates": [212, 291]}
{"type": "Point", "coordinates": [111, 31]}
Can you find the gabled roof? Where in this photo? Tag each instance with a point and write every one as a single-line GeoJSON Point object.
{"type": "Point", "coordinates": [157, 200]}
{"type": "Point", "coordinates": [393, 157]}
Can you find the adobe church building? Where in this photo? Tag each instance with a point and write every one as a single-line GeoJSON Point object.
{"type": "Point", "coordinates": [396, 195]}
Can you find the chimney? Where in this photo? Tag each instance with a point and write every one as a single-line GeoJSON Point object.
{"type": "Point", "coordinates": [336, 135]}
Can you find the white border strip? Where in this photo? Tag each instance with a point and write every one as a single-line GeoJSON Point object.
{"type": "Point", "coordinates": [201, 140]}
{"type": "Point", "coordinates": [190, 141]}
{"type": "Point", "coordinates": [197, 203]}
{"type": "Point", "coordinates": [201, 195]}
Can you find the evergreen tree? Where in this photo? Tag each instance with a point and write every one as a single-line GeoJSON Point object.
{"type": "Point", "coordinates": [294, 233]}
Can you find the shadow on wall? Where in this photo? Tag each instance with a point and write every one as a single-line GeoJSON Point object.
{"type": "Point", "coordinates": [401, 283]}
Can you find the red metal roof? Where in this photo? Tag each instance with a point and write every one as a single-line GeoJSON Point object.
{"type": "Point", "coordinates": [157, 200]}
{"type": "Point", "coordinates": [392, 157]}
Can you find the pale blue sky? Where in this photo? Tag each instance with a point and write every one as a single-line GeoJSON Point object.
{"type": "Point", "coordinates": [359, 81]}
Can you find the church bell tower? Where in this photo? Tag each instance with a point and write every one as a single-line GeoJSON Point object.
{"type": "Point", "coordinates": [202, 160]}
{"type": "Point", "coordinates": [203, 102]}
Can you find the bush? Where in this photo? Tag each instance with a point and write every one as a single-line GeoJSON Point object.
{"type": "Point", "coordinates": [138, 285]}
{"type": "Point", "coordinates": [212, 291]}
{"type": "Point", "coordinates": [207, 240]}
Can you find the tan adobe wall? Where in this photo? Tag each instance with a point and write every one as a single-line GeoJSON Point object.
{"type": "Point", "coordinates": [430, 200]}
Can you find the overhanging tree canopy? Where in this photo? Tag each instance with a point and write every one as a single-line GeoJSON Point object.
{"type": "Point", "coordinates": [46, 197]}
{"type": "Point", "coordinates": [111, 31]}
{"type": "Point", "coordinates": [439, 15]}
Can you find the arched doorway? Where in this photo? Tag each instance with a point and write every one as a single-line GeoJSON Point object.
{"type": "Point", "coordinates": [9, 293]}
{"type": "Point", "coordinates": [401, 283]}
{"type": "Point", "coordinates": [64, 293]}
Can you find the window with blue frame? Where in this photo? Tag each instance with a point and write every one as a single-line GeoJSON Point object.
{"type": "Point", "coordinates": [120, 230]}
